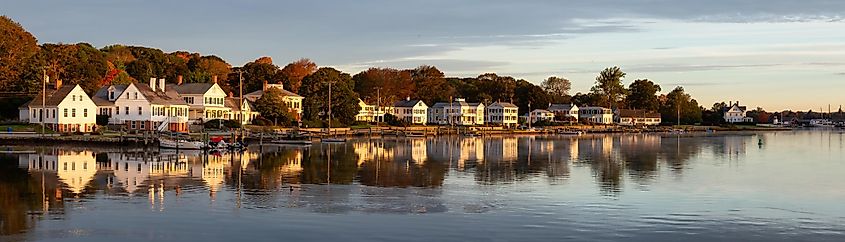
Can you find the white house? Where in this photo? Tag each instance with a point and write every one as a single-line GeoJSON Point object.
{"type": "Point", "coordinates": [596, 115]}
{"type": "Point", "coordinates": [637, 117]}
{"type": "Point", "coordinates": [207, 100]}
{"type": "Point", "coordinates": [736, 114]}
{"type": "Point", "coordinates": [565, 112]}
{"type": "Point", "coordinates": [293, 101]}
{"type": "Point", "coordinates": [366, 112]}
{"type": "Point", "coordinates": [65, 109]}
{"type": "Point", "coordinates": [502, 113]}
{"type": "Point", "coordinates": [538, 115]}
{"type": "Point", "coordinates": [411, 111]}
{"type": "Point", "coordinates": [241, 110]}
{"type": "Point", "coordinates": [458, 112]}
{"type": "Point", "coordinates": [143, 107]}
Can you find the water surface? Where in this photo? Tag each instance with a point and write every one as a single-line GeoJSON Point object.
{"type": "Point", "coordinates": [768, 186]}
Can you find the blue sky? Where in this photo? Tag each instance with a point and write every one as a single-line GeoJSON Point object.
{"type": "Point", "coordinates": [775, 54]}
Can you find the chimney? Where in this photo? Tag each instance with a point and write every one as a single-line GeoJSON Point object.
{"type": "Point", "coordinates": [153, 83]}
{"type": "Point", "coordinates": [231, 94]}
{"type": "Point", "coordinates": [264, 88]}
{"type": "Point", "coordinates": [179, 80]}
{"type": "Point", "coordinates": [214, 79]}
{"type": "Point", "coordinates": [161, 84]}
{"type": "Point", "coordinates": [408, 98]}
{"type": "Point", "coordinates": [58, 83]}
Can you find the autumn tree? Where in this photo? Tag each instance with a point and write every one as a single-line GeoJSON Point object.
{"type": "Point", "coordinates": [431, 85]}
{"type": "Point", "coordinates": [390, 84]}
{"type": "Point", "coordinates": [609, 86]}
{"type": "Point", "coordinates": [292, 74]}
{"type": "Point", "coordinates": [643, 95]}
{"type": "Point", "coordinates": [17, 47]}
{"type": "Point", "coordinates": [74, 64]}
{"type": "Point", "coordinates": [493, 87]}
{"type": "Point", "coordinates": [315, 89]}
{"type": "Point", "coordinates": [272, 106]}
{"type": "Point", "coordinates": [527, 93]}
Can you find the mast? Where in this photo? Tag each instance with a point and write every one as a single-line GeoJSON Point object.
{"type": "Point", "coordinates": [43, 99]}
{"type": "Point", "coordinates": [330, 108]}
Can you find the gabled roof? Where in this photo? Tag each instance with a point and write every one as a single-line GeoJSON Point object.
{"type": "Point", "coordinates": [454, 104]}
{"type": "Point", "coordinates": [285, 93]}
{"type": "Point", "coordinates": [541, 111]}
{"type": "Point", "coordinates": [741, 108]}
{"type": "Point", "coordinates": [99, 101]}
{"type": "Point", "coordinates": [406, 103]}
{"type": "Point", "coordinates": [169, 97]}
{"type": "Point", "coordinates": [566, 107]}
{"type": "Point", "coordinates": [638, 113]}
{"type": "Point", "coordinates": [503, 104]}
{"type": "Point", "coordinates": [54, 97]}
{"type": "Point", "coordinates": [191, 88]}
{"type": "Point", "coordinates": [232, 102]}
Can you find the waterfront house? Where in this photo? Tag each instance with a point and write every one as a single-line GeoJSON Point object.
{"type": "Point", "coordinates": [366, 112]}
{"type": "Point", "coordinates": [636, 117]}
{"type": "Point", "coordinates": [64, 109]}
{"type": "Point", "coordinates": [596, 115]}
{"type": "Point", "coordinates": [502, 113]}
{"type": "Point", "coordinates": [143, 107]}
{"type": "Point", "coordinates": [411, 111]}
{"type": "Point", "coordinates": [564, 112]}
{"type": "Point", "coordinates": [457, 112]}
{"type": "Point", "coordinates": [292, 100]}
{"type": "Point", "coordinates": [242, 110]}
{"type": "Point", "coordinates": [736, 114]}
{"type": "Point", "coordinates": [207, 100]}
{"type": "Point", "coordinates": [538, 115]}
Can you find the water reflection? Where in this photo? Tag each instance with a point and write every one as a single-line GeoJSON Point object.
{"type": "Point", "coordinates": [371, 175]}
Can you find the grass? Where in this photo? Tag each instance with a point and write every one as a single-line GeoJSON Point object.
{"type": "Point", "coordinates": [24, 128]}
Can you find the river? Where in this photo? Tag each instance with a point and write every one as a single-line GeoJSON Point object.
{"type": "Point", "coordinates": [755, 186]}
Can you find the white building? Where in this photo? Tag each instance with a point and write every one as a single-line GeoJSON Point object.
{"type": "Point", "coordinates": [411, 111]}
{"type": "Point", "coordinates": [502, 113]}
{"type": "Point", "coordinates": [538, 115]}
{"type": "Point", "coordinates": [458, 112]}
{"type": "Point", "coordinates": [736, 114]}
{"type": "Point", "coordinates": [207, 100]}
{"type": "Point", "coordinates": [66, 109]}
{"type": "Point", "coordinates": [596, 115]}
{"type": "Point", "coordinates": [143, 107]}
{"type": "Point", "coordinates": [73, 168]}
{"type": "Point", "coordinates": [241, 110]}
{"type": "Point", "coordinates": [565, 112]}
{"type": "Point", "coordinates": [637, 117]}
{"type": "Point", "coordinates": [292, 100]}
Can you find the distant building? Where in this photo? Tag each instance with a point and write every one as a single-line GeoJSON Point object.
{"type": "Point", "coordinates": [65, 109]}
{"type": "Point", "coordinates": [366, 112]}
{"type": "Point", "coordinates": [637, 117]}
{"type": "Point", "coordinates": [292, 100]}
{"type": "Point", "coordinates": [207, 100]}
{"type": "Point", "coordinates": [538, 115]}
{"type": "Point", "coordinates": [597, 115]}
{"type": "Point", "coordinates": [564, 112]}
{"type": "Point", "coordinates": [143, 107]}
{"type": "Point", "coordinates": [502, 113]}
{"type": "Point", "coordinates": [411, 111]}
{"type": "Point", "coordinates": [736, 114]}
{"type": "Point", "coordinates": [458, 112]}
{"type": "Point", "coordinates": [241, 110]}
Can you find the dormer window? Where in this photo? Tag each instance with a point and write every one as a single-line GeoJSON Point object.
{"type": "Point", "coordinates": [111, 95]}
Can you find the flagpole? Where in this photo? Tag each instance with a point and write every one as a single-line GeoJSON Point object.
{"type": "Point", "coordinates": [43, 98]}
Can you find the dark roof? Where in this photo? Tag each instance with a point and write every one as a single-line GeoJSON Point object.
{"type": "Point", "coordinates": [504, 104]}
{"type": "Point", "coordinates": [170, 97]}
{"type": "Point", "coordinates": [286, 93]}
{"type": "Point", "coordinates": [638, 113]}
{"type": "Point", "coordinates": [54, 97]}
{"type": "Point", "coordinates": [455, 103]}
{"type": "Point", "coordinates": [101, 101]}
{"type": "Point", "coordinates": [232, 102]}
{"type": "Point", "coordinates": [191, 88]}
{"type": "Point", "coordinates": [406, 103]}
{"type": "Point", "coordinates": [560, 107]}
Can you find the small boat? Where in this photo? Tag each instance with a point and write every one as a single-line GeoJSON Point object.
{"type": "Point", "coordinates": [293, 139]}
{"type": "Point", "coordinates": [570, 132]}
{"type": "Point", "coordinates": [180, 144]}
{"type": "Point", "coordinates": [333, 140]}
{"type": "Point", "coordinates": [414, 134]}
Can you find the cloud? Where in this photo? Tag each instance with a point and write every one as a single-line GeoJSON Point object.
{"type": "Point", "coordinates": [840, 74]}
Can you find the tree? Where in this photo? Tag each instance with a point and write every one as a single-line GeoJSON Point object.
{"type": "Point", "coordinates": [293, 73]}
{"type": "Point", "coordinates": [609, 86]}
{"type": "Point", "coordinates": [17, 47]}
{"type": "Point", "coordinates": [272, 106]}
{"type": "Point", "coordinates": [557, 86]}
{"type": "Point", "coordinates": [394, 85]}
{"type": "Point", "coordinates": [643, 95]}
{"type": "Point", "coordinates": [75, 64]}
{"type": "Point", "coordinates": [315, 90]}
{"type": "Point", "coordinates": [527, 93]}
{"type": "Point", "coordinates": [256, 73]}
{"type": "Point", "coordinates": [493, 87]}
{"type": "Point", "coordinates": [431, 85]}
{"type": "Point", "coordinates": [679, 102]}
{"type": "Point", "coordinates": [586, 99]}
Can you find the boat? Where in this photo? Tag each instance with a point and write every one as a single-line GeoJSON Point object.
{"type": "Point", "coordinates": [821, 123]}
{"type": "Point", "coordinates": [180, 144]}
{"type": "Point", "coordinates": [294, 138]}
{"type": "Point", "coordinates": [330, 139]}
{"type": "Point", "coordinates": [570, 132]}
{"type": "Point", "coordinates": [333, 140]}
{"type": "Point", "coordinates": [415, 134]}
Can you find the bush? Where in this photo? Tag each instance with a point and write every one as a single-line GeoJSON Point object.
{"type": "Point", "coordinates": [102, 120]}
{"type": "Point", "coordinates": [227, 124]}
{"type": "Point", "coordinates": [392, 120]}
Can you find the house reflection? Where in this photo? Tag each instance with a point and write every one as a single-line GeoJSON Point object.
{"type": "Point", "coordinates": [74, 168]}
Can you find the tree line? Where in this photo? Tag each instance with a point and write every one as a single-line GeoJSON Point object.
{"type": "Point", "coordinates": [25, 60]}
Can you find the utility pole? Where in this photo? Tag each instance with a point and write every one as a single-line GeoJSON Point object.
{"type": "Point", "coordinates": [241, 102]}
{"type": "Point", "coordinates": [529, 116]}
{"type": "Point", "coordinates": [378, 105]}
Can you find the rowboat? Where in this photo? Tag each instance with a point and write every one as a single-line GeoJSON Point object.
{"type": "Point", "coordinates": [180, 144]}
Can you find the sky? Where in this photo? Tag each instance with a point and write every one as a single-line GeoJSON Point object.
{"type": "Point", "coordinates": [774, 54]}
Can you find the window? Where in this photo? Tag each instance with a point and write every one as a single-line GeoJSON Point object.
{"type": "Point", "coordinates": [111, 95]}
{"type": "Point", "coordinates": [73, 113]}
{"type": "Point", "coordinates": [85, 112]}
{"type": "Point", "coordinates": [140, 110]}
{"type": "Point", "coordinates": [133, 124]}
{"type": "Point", "coordinates": [136, 95]}
{"type": "Point", "coordinates": [54, 113]}
{"type": "Point", "coordinates": [126, 110]}
{"type": "Point", "coordinates": [74, 97]}
{"type": "Point", "coordinates": [142, 124]}
{"type": "Point", "coordinates": [65, 112]}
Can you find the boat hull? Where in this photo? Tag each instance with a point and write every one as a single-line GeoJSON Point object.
{"type": "Point", "coordinates": [180, 144]}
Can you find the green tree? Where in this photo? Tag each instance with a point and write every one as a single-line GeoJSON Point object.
{"type": "Point", "coordinates": [75, 64]}
{"type": "Point", "coordinates": [272, 106]}
{"type": "Point", "coordinates": [679, 102]}
{"type": "Point", "coordinates": [643, 95]}
{"type": "Point", "coordinates": [17, 47]}
{"type": "Point", "coordinates": [315, 89]}
{"type": "Point", "coordinates": [493, 87]}
{"type": "Point", "coordinates": [609, 86]}
{"type": "Point", "coordinates": [527, 93]}
{"type": "Point", "coordinates": [586, 99]}
{"type": "Point", "coordinates": [431, 85]}
{"type": "Point", "coordinates": [256, 73]}
{"type": "Point", "coordinates": [557, 86]}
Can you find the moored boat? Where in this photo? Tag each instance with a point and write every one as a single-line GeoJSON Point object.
{"type": "Point", "coordinates": [180, 144]}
